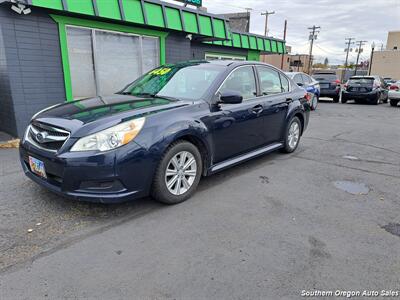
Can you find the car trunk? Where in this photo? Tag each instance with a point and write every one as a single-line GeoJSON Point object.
{"type": "Point", "coordinates": [326, 81]}
{"type": "Point", "coordinates": [360, 85]}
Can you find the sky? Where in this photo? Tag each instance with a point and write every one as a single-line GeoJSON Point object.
{"type": "Point", "coordinates": [368, 20]}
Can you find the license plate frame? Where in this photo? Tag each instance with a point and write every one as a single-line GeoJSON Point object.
{"type": "Point", "coordinates": [37, 167]}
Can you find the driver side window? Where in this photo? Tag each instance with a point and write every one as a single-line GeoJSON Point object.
{"type": "Point", "coordinates": [242, 81]}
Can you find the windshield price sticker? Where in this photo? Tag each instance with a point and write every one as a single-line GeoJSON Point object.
{"type": "Point", "coordinates": [161, 71]}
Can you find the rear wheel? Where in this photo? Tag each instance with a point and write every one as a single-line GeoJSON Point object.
{"type": "Point", "coordinates": [314, 102]}
{"type": "Point", "coordinates": [178, 173]}
{"type": "Point", "coordinates": [393, 102]}
{"type": "Point", "coordinates": [377, 100]}
{"type": "Point", "coordinates": [292, 135]}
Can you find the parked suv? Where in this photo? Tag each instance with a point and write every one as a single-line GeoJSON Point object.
{"type": "Point", "coordinates": [329, 84]}
{"type": "Point", "coordinates": [371, 89]}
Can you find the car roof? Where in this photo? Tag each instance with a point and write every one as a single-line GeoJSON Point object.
{"type": "Point", "coordinates": [227, 63]}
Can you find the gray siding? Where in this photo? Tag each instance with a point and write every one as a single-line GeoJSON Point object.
{"type": "Point", "coordinates": [177, 48]}
{"type": "Point", "coordinates": [31, 75]}
{"type": "Point", "coordinates": [199, 50]}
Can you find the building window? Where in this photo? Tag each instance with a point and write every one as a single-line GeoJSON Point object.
{"type": "Point", "coordinates": [214, 56]}
{"type": "Point", "coordinates": [103, 62]}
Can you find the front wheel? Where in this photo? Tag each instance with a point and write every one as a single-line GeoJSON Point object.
{"type": "Point", "coordinates": [178, 173]}
{"type": "Point", "coordinates": [292, 135]}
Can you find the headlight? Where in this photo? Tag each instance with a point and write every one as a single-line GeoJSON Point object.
{"type": "Point", "coordinates": [110, 138]}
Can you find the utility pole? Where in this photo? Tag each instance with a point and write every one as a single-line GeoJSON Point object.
{"type": "Point", "coordinates": [284, 38]}
{"type": "Point", "coordinates": [313, 36]}
{"type": "Point", "coordinates": [372, 57]}
{"type": "Point", "coordinates": [360, 44]}
{"type": "Point", "coordinates": [266, 14]}
{"type": "Point", "coordinates": [347, 50]}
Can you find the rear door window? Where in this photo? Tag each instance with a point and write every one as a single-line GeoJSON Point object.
{"type": "Point", "coordinates": [306, 79]}
{"type": "Point", "coordinates": [241, 80]}
{"type": "Point", "coordinates": [270, 82]}
{"type": "Point", "coordinates": [298, 79]}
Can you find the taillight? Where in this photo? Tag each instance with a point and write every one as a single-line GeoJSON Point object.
{"type": "Point", "coordinates": [394, 87]}
{"type": "Point", "coordinates": [308, 97]}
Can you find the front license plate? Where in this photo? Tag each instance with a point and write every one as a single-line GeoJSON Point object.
{"type": "Point", "coordinates": [37, 166]}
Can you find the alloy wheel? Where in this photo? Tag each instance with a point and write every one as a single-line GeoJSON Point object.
{"type": "Point", "coordinates": [181, 172]}
{"type": "Point", "coordinates": [294, 135]}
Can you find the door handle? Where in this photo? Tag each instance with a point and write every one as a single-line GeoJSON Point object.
{"type": "Point", "coordinates": [289, 100]}
{"type": "Point", "coordinates": [257, 109]}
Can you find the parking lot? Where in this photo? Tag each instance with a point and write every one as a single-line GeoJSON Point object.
{"type": "Point", "coordinates": [325, 217]}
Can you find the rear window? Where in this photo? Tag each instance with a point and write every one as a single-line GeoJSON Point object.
{"type": "Point", "coordinates": [361, 80]}
{"type": "Point", "coordinates": [327, 77]}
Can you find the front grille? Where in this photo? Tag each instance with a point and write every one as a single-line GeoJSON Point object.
{"type": "Point", "coordinates": [46, 136]}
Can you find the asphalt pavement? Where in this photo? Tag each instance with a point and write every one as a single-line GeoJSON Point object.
{"type": "Point", "coordinates": [323, 218]}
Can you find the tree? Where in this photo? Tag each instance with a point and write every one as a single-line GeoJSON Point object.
{"type": "Point", "coordinates": [326, 62]}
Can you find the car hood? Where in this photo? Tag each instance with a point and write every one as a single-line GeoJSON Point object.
{"type": "Point", "coordinates": [85, 116]}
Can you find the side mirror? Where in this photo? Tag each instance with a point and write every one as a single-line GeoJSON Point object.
{"type": "Point", "coordinates": [299, 83]}
{"type": "Point", "coordinates": [230, 97]}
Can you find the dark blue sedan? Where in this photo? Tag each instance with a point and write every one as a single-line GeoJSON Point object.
{"type": "Point", "coordinates": [162, 133]}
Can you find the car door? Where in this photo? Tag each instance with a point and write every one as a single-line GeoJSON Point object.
{"type": "Point", "coordinates": [237, 128]}
{"type": "Point", "coordinates": [275, 94]}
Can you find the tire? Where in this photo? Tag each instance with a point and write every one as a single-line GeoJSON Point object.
{"type": "Point", "coordinates": [393, 102]}
{"type": "Point", "coordinates": [314, 102]}
{"type": "Point", "coordinates": [377, 100]}
{"type": "Point", "coordinates": [171, 158]}
{"type": "Point", "coordinates": [288, 147]}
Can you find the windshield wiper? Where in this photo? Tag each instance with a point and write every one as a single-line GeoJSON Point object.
{"type": "Point", "coordinates": [156, 96]}
{"type": "Point", "coordinates": [150, 95]}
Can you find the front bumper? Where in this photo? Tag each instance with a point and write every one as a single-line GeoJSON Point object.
{"type": "Point", "coordinates": [108, 177]}
{"type": "Point", "coordinates": [370, 97]}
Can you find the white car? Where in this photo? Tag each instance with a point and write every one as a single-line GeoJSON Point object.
{"type": "Point", "coordinates": [394, 93]}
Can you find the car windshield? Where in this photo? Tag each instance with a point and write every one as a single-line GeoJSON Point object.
{"type": "Point", "coordinates": [185, 81]}
{"type": "Point", "coordinates": [325, 77]}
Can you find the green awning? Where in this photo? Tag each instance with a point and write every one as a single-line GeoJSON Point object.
{"type": "Point", "coordinates": [158, 14]}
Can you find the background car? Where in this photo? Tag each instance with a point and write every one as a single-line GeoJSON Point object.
{"type": "Point", "coordinates": [370, 89]}
{"type": "Point", "coordinates": [394, 93]}
{"type": "Point", "coordinates": [163, 132]}
{"type": "Point", "coordinates": [389, 81]}
{"type": "Point", "coordinates": [309, 84]}
{"type": "Point", "coordinates": [329, 84]}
